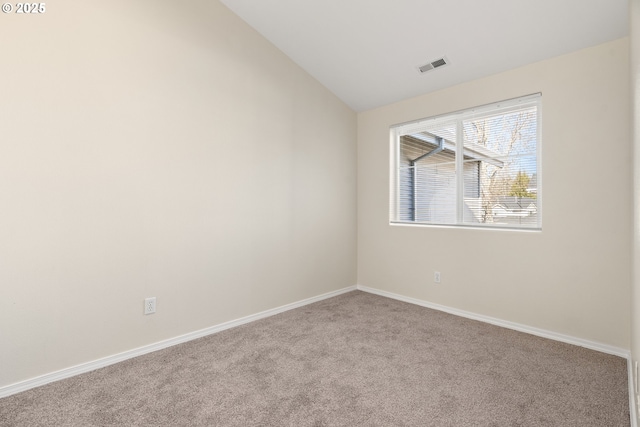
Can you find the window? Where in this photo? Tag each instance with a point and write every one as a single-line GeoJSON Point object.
{"type": "Point", "coordinates": [478, 167]}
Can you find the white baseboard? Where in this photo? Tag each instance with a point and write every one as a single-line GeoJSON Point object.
{"type": "Point", "coordinates": [604, 348]}
{"type": "Point", "coordinates": [632, 401]}
{"type": "Point", "coordinates": [110, 360]}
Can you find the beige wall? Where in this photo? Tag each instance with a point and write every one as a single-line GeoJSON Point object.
{"type": "Point", "coordinates": [634, 36]}
{"type": "Point", "coordinates": [574, 276]}
{"type": "Point", "coordinates": [158, 148]}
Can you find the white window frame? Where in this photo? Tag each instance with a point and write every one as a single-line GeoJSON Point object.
{"type": "Point", "coordinates": [396, 131]}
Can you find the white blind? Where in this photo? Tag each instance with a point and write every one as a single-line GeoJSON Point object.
{"type": "Point", "coordinates": [477, 167]}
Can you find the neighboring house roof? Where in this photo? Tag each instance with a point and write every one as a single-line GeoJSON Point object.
{"type": "Point", "coordinates": [515, 205]}
{"type": "Point", "coordinates": [471, 151]}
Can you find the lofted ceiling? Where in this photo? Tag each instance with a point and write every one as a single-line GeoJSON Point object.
{"type": "Point", "coordinates": [367, 51]}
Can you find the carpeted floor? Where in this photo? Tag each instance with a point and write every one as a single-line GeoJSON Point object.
{"type": "Point", "coordinates": [353, 360]}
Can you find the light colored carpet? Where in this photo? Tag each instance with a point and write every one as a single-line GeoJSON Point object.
{"type": "Point", "coordinates": [353, 360]}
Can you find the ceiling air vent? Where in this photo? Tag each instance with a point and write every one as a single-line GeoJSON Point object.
{"type": "Point", "coordinates": [433, 65]}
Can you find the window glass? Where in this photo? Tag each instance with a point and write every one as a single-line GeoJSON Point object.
{"type": "Point", "coordinates": [496, 150]}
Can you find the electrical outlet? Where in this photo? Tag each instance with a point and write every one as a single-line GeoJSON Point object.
{"type": "Point", "coordinates": [150, 305]}
{"type": "Point", "coordinates": [436, 277]}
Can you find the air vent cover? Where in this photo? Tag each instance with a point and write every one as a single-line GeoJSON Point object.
{"type": "Point", "coordinates": [441, 62]}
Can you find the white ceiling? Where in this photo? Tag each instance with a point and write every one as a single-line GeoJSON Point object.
{"type": "Point", "coordinates": [367, 51]}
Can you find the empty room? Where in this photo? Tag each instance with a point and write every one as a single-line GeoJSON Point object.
{"type": "Point", "coordinates": [320, 213]}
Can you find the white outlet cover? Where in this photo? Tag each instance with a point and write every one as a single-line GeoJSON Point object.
{"type": "Point", "coordinates": [150, 305]}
